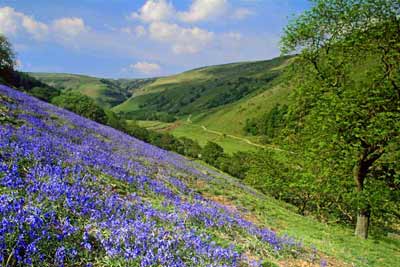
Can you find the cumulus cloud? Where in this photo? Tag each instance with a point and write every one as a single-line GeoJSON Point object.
{"type": "Point", "coordinates": [13, 22]}
{"type": "Point", "coordinates": [146, 67]}
{"type": "Point", "coordinates": [167, 25]}
{"type": "Point", "coordinates": [201, 10]}
{"type": "Point", "coordinates": [155, 10]}
{"type": "Point", "coordinates": [68, 28]}
{"type": "Point", "coordinates": [183, 40]}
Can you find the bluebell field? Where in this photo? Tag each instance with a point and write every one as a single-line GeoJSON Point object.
{"type": "Point", "coordinates": [77, 193]}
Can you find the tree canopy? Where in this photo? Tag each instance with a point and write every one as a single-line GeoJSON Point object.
{"type": "Point", "coordinates": [347, 100]}
{"type": "Point", "coordinates": [82, 105]}
{"type": "Point", "coordinates": [7, 59]}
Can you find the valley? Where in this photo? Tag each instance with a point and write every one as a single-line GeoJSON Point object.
{"type": "Point", "coordinates": [224, 121]}
{"type": "Point", "coordinates": [221, 133]}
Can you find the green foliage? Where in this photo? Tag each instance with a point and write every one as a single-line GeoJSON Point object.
{"type": "Point", "coordinates": [211, 153]}
{"type": "Point", "coordinates": [345, 113]}
{"type": "Point", "coordinates": [82, 105]}
{"type": "Point", "coordinates": [190, 147]}
{"type": "Point", "coordinates": [135, 130]}
{"type": "Point", "coordinates": [146, 115]}
{"type": "Point", "coordinates": [115, 121]}
{"type": "Point", "coordinates": [7, 59]}
{"type": "Point", "coordinates": [270, 124]}
{"type": "Point", "coordinates": [236, 165]}
{"type": "Point", "coordinates": [44, 93]}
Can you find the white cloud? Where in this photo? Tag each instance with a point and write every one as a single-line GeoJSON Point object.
{"type": "Point", "coordinates": [242, 13]}
{"type": "Point", "coordinates": [201, 10]}
{"type": "Point", "coordinates": [68, 28]}
{"type": "Point", "coordinates": [146, 67]}
{"type": "Point", "coordinates": [155, 10]}
{"type": "Point", "coordinates": [183, 40]}
{"type": "Point", "coordinates": [13, 22]}
{"type": "Point", "coordinates": [37, 29]}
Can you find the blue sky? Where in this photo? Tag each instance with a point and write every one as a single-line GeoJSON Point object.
{"type": "Point", "coordinates": [142, 38]}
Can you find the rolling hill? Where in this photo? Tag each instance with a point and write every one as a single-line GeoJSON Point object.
{"type": "Point", "coordinates": [217, 98]}
{"type": "Point", "coordinates": [205, 89]}
{"type": "Point", "coordinates": [213, 103]}
{"type": "Point", "coordinates": [106, 92]}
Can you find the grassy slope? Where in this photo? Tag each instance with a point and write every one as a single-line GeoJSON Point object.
{"type": "Point", "coordinates": [232, 118]}
{"type": "Point", "coordinates": [337, 243]}
{"type": "Point", "coordinates": [196, 132]}
{"type": "Point", "coordinates": [192, 91]}
{"type": "Point", "coordinates": [106, 92]}
{"type": "Point", "coordinates": [229, 118]}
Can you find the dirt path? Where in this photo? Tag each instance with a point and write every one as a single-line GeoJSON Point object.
{"type": "Point", "coordinates": [243, 140]}
{"type": "Point", "coordinates": [189, 121]}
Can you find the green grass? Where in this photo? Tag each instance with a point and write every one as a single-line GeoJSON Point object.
{"type": "Point", "coordinates": [106, 92]}
{"type": "Point", "coordinates": [202, 90]}
{"type": "Point", "coordinates": [232, 118]}
{"type": "Point", "coordinates": [131, 104]}
{"type": "Point", "coordinates": [154, 125]}
{"type": "Point", "coordinates": [336, 243]}
{"type": "Point", "coordinates": [206, 84]}
{"type": "Point", "coordinates": [195, 132]}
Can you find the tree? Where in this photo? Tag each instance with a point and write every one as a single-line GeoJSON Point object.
{"type": "Point", "coordinates": [190, 147]}
{"type": "Point", "coordinates": [7, 59]}
{"type": "Point", "coordinates": [44, 93]}
{"type": "Point", "coordinates": [348, 95]}
{"type": "Point", "coordinates": [212, 152]}
{"type": "Point", "coordinates": [82, 105]}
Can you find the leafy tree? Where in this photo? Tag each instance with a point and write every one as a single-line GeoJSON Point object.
{"type": "Point", "coordinates": [139, 132]}
{"type": "Point", "coordinates": [236, 165]}
{"type": "Point", "coordinates": [7, 59]}
{"type": "Point", "coordinates": [348, 98]}
{"type": "Point", "coordinates": [115, 121]}
{"type": "Point", "coordinates": [212, 152]}
{"type": "Point", "coordinates": [82, 105]}
{"type": "Point", "coordinates": [190, 147]}
{"type": "Point", "coordinates": [44, 93]}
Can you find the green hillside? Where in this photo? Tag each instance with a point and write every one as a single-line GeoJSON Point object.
{"type": "Point", "coordinates": [211, 103]}
{"type": "Point", "coordinates": [106, 92]}
{"type": "Point", "coordinates": [205, 89]}
{"type": "Point", "coordinates": [204, 195]}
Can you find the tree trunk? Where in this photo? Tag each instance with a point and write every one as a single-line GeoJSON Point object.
{"type": "Point", "coordinates": [363, 216]}
{"type": "Point", "coordinates": [362, 224]}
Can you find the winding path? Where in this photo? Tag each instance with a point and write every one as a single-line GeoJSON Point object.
{"type": "Point", "coordinates": [244, 140]}
{"type": "Point", "coordinates": [189, 121]}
